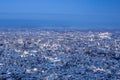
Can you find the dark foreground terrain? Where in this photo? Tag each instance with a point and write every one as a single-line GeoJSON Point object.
{"type": "Point", "coordinates": [59, 55]}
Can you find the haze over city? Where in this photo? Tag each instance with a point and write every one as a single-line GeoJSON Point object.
{"type": "Point", "coordinates": [59, 13]}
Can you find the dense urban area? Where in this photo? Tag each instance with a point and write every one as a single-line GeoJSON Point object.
{"type": "Point", "coordinates": [59, 55]}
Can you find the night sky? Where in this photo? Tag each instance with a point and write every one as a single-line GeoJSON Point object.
{"type": "Point", "coordinates": [60, 13]}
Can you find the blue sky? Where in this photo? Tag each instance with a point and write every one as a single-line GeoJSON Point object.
{"type": "Point", "coordinates": [80, 13]}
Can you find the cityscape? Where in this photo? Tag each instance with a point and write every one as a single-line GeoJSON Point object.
{"type": "Point", "coordinates": [59, 39]}
{"type": "Point", "coordinates": [59, 55]}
